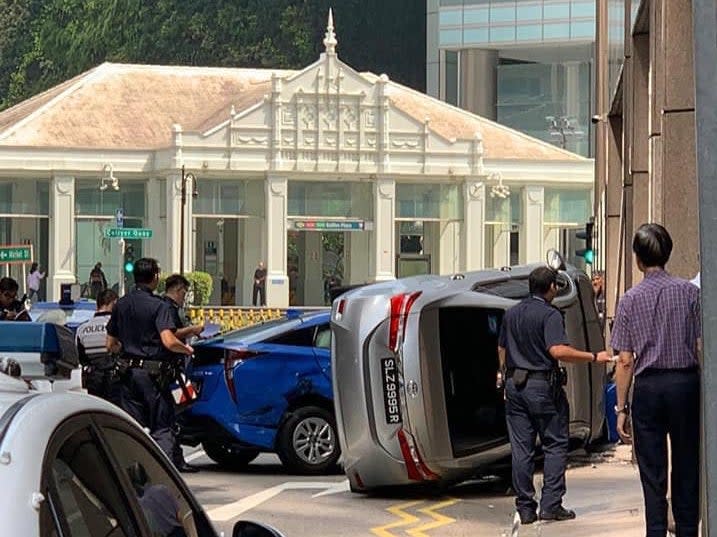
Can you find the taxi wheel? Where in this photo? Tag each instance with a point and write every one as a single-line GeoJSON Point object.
{"type": "Point", "coordinates": [228, 456]}
{"type": "Point", "coordinates": [307, 443]}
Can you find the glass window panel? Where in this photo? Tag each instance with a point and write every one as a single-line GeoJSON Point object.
{"type": "Point", "coordinates": [567, 206]}
{"type": "Point", "coordinates": [477, 15]}
{"type": "Point", "coordinates": [450, 37]}
{"type": "Point", "coordinates": [25, 196]}
{"type": "Point", "coordinates": [504, 33]}
{"type": "Point", "coordinates": [582, 29]}
{"type": "Point", "coordinates": [90, 200]}
{"type": "Point", "coordinates": [500, 13]}
{"type": "Point", "coordinates": [583, 9]}
{"type": "Point", "coordinates": [450, 17]}
{"type": "Point", "coordinates": [556, 31]}
{"type": "Point", "coordinates": [241, 198]}
{"type": "Point", "coordinates": [451, 2]}
{"type": "Point", "coordinates": [530, 32]}
{"type": "Point", "coordinates": [429, 201]}
{"type": "Point", "coordinates": [558, 10]}
{"type": "Point", "coordinates": [349, 200]}
{"type": "Point", "coordinates": [451, 93]}
{"type": "Point", "coordinates": [529, 12]}
{"type": "Point", "coordinates": [475, 35]}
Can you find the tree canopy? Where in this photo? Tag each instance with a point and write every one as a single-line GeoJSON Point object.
{"type": "Point", "coordinates": [45, 42]}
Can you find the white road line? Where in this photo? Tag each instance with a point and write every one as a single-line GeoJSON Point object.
{"type": "Point", "coordinates": [234, 509]}
{"type": "Point", "coordinates": [196, 455]}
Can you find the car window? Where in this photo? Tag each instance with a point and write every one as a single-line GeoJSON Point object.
{"type": "Point", "coordinates": [300, 338]}
{"type": "Point", "coordinates": [85, 498]}
{"type": "Point", "coordinates": [166, 510]}
{"type": "Point", "coordinates": [323, 337]}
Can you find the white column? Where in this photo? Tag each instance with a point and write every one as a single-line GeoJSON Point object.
{"type": "Point", "coordinates": [277, 282]}
{"type": "Point", "coordinates": [174, 206]}
{"type": "Point", "coordinates": [155, 247]}
{"type": "Point", "coordinates": [532, 249]}
{"type": "Point", "coordinates": [384, 211]}
{"type": "Point", "coordinates": [473, 225]}
{"type": "Point", "coordinates": [62, 234]}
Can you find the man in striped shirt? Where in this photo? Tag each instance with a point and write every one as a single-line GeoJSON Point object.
{"type": "Point", "coordinates": [98, 365]}
{"type": "Point", "coordinates": [657, 333]}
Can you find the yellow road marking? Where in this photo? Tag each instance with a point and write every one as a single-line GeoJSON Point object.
{"type": "Point", "coordinates": [406, 519]}
{"type": "Point", "coordinates": [439, 519]}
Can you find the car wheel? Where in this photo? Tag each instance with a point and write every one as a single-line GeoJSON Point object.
{"type": "Point", "coordinates": [227, 455]}
{"type": "Point", "coordinates": [308, 443]}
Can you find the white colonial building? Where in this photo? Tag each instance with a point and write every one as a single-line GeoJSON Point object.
{"type": "Point", "coordinates": [321, 172]}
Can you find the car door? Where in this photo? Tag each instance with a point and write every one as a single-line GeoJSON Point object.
{"type": "Point", "coordinates": [322, 348]}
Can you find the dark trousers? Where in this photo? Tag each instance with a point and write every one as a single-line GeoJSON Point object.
{"type": "Point", "coordinates": [151, 407]}
{"type": "Point", "coordinates": [260, 293]}
{"type": "Point", "coordinates": [103, 384]}
{"type": "Point", "coordinates": [534, 410]}
{"type": "Point", "coordinates": [667, 402]}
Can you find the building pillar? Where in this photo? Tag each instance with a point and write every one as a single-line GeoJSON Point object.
{"type": "Point", "coordinates": [277, 282]}
{"type": "Point", "coordinates": [473, 238]}
{"type": "Point", "coordinates": [532, 248]}
{"type": "Point", "coordinates": [155, 247]}
{"type": "Point", "coordinates": [385, 245]}
{"type": "Point", "coordinates": [478, 82]}
{"type": "Point", "coordinates": [62, 234]}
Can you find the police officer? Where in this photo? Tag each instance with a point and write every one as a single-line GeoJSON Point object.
{"type": "Point", "coordinates": [142, 329]}
{"type": "Point", "coordinates": [11, 309]}
{"type": "Point", "coordinates": [532, 341]}
{"type": "Point", "coordinates": [99, 367]}
{"type": "Point", "coordinates": [176, 287]}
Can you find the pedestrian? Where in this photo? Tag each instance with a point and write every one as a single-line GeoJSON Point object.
{"type": "Point", "coordinates": [34, 278]}
{"type": "Point", "coordinates": [259, 291]}
{"type": "Point", "coordinates": [11, 309]}
{"type": "Point", "coordinates": [176, 288]}
{"type": "Point", "coordinates": [657, 333]}
{"type": "Point", "coordinates": [531, 343]}
{"type": "Point", "coordinates": [141, 329]}
{"type": "Point", "coordinates": [98, 282]}
{"type": "Point", "coordinates": [99, 367]}
{"type": "Point", "coordinates": [598, 282]}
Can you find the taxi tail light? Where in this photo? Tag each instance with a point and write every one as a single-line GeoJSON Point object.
{"type": "Point", "coordinates": [400, 307]}
{"type": "Point", "coordinates": [416, 469]}
{"type": "Point", "coordinates": [233, 358]}
{"type": "Point", "coordinates": [340, 308]}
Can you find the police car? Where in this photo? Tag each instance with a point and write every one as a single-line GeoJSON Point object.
{"type": "Point", "coordinates": [73, 464]}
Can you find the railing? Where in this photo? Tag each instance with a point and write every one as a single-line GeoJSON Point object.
{"type": "Point", "coordinates": [232, 317]}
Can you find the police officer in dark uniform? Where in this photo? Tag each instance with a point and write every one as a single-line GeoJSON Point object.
{"type": "Point", "coordinates": [142, 330]}
{"type": "Point", "coordinates": [532, 341]}
{"type": "Point", "coordinates": [176, 288]}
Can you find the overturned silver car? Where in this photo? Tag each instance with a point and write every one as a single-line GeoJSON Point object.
{"type": "Point", "coordinates": [414, 365]}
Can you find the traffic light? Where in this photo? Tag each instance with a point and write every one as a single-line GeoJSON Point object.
{"type": "Point", "coordinates": [586, 234]}
{"type": "Point", "coordinates": [129, 258]}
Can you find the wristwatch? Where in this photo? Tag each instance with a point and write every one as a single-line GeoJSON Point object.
{"type": "Point", "coordinates": [622, 410]}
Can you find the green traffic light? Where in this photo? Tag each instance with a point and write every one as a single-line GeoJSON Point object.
{"type": "Point", "coordinates": [589, 257]}
{"type": "Point", "coordinates": [129, 266]}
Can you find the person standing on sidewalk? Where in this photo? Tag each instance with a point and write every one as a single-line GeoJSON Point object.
{"type": "Point", "coordinates": [532, 340]}
{"type": "Point", "coordinates": [34, 279]}
{"type": "Point", "coordinates": [258, 297]}
{"type": "Point", "coordinates": [657, 333]}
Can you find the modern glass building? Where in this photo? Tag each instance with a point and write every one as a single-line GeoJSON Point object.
{"type": "Point", "coordinates": [527, 64]}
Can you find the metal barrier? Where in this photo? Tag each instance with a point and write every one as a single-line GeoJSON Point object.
{"type": "Point", "coordinates": [233, 317]}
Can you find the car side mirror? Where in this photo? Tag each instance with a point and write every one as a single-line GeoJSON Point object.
{"type": "Point", "coordinates": [246, 528]}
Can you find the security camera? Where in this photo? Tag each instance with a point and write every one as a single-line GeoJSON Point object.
{"type": "Point", "coordinates": [597, 118]}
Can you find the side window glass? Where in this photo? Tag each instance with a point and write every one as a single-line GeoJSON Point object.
{"type": "Point", "coordinates": [164, 506]}
{"type": "Point", "coordinates": [86, 498]}
{"type": "Point", "coordinates": [300, 338]}
{"type": "Point", "coordinates": [323, 337]}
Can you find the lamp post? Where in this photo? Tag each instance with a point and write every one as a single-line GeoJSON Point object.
{"type": "Point", "coordinates": [185, 177]}
{"type": "Point", "coordinates": [562, 127]}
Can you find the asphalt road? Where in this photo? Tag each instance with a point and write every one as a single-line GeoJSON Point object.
{"type": "Point", "coordinates": [603, 489]}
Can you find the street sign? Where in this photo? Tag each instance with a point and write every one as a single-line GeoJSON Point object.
{"type": "Point", "coordinates": [12, 254]}
{"type": "Point", "coordinates": [128, 233]}
{"type": "Point", "coordinates": [119, 217]}
{"type": "Point", "coordinates": [329, 225]}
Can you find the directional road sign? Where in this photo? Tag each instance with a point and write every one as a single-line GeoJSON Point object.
{"type": "Point", "coordinates": [15, 253]}
{"type": "Point", "coordinates": [128, 233]}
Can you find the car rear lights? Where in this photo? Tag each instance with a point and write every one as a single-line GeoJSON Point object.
{"type": "Point", "coordinates": [340, 307]}
{"type": "Point", "coordinates": [400, 307]}
{"type": "Point", "coordinates": [232, 359]}
{"type": "Point", "coordinates": [415, 467]}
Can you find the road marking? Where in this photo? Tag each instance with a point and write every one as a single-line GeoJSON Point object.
{"type": "Point", "coordinates": [406, 519]}
{"type": "Point", "coordinates": [516, 525]}
{"type": "Point", "coordinates": [342, 486]}
{"type": "Point", "coordinates": [234, 509]}
{"type": "Point", "coordinates": [439, 519]}
{"type": "Point", "coordinates": [196, 455]}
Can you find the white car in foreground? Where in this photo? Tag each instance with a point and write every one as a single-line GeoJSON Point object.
{"type": "Point", "coordinates": [74, 465]}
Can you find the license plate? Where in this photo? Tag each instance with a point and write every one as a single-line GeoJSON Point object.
{"type": "Point", "coordinates": [389, 378]}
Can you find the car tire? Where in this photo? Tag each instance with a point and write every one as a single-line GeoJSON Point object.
{"type": "Point", "coordinates": [307, 443]}
{"type": "Point", "coordinates": [226, 455]}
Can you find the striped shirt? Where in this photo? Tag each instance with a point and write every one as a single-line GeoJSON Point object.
{"type": "Point", "coordinates": [92, 338]}
{"type": "Point", "coordinates": [659, 321]}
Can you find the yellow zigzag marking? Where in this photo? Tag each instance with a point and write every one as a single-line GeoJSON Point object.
{"type": "Point", "coordinates": [438, 519]}
{"type": "Point", "coordinates": [406, 519]}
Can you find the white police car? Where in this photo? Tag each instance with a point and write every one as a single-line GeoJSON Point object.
{"type": "Point", "coordinates": [74, 465]}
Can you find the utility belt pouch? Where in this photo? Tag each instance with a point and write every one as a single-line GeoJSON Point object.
{"type": "Point", "coordinates": [520, 377]}
{"type": "Point", "coordinates": [563, 376]}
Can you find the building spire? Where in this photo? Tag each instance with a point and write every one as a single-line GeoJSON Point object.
{"type": "Point", "coordinates": [330, 38]}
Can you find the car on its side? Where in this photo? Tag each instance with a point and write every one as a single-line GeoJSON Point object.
{"type": "Point", "coordinates": [266, 388]}
{"type": "Point", "coordinates": [414, 365]}
{"type": "Point", "coordinates": [74, 464]}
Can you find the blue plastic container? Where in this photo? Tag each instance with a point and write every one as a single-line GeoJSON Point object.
{"type": "Point", "coordinates": [610, 417]}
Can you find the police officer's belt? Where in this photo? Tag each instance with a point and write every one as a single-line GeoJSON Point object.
{"type": "Point", "coordinates": [101, 363]}
{"type": "Point", "coordinates": [149, 365]}
{"type": "Point", "coordinates": [543, 375]}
